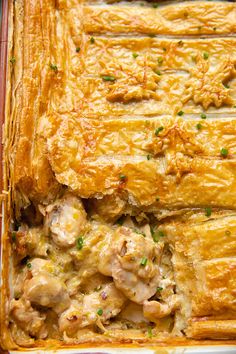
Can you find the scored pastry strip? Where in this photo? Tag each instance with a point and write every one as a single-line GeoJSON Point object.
{"type": "Point", "coordinates": [204, 265]}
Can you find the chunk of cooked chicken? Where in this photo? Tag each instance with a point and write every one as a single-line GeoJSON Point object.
{"type": "Point", "coordinates": [96, 308]}
{"type": "Point", "coordinates": [41, 286]}
{"type": "Point", "coordinates": [133, 261]}
{"type": "Point", "coordinates": [30, 242]}
{"type": "Point", "coordinates": [154, 310]}
{"type": "Point", "coordinates": [45, 290]}
{"type": "Point", "coordinates": [66, 219]}
{"type": "Point", "coordinates": [28, 319]}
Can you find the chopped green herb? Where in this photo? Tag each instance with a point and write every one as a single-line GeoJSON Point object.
{"type": "Point", "coordinates": [227, 232]}
{"type": "Point", "coordinates": [121, 220]}
{"type": "Point", "coordinates": [208, 211]}
{"type": "Point", "coordinates": [108, 78]}
{"type": "Point", "coordinates": [140, 232]}
{"type": "Point", "coordinates": [13, 60]}
{"type": "Point", "coordinates": [122, 177]}
{"type": "Point", "coordinates": [13, 236]}
{"type": "Point", "coordinates": [79, 243]}
{"type": "Point", "coordinates": [158, 130]}
{"type": "Point", "coordinates": [92, 40]}
{"type": "Point", "coordinates": [180, 113]}
{"type": "Point", "coordinates": [28, 265]}
{"type": "Point", "coordinates": [135, 55]}
{"type": "Point", "coordinates": [77, 49]}
{"type": "Point", "coordinates": [199, 126]}
{"type": "Point", "coordinates": [155, 237]}
{"type": "Point", "coordinates": [205, 55]}
{"type": "Point", "coordinates": [224, 152]}
{"type": "Point", "coordinates": [53, 67]}
{"type": "Point", "coordinates": [161, 233]}
{"type": "Point", "coordinates": [155, 5]}
{"type": "Point", "coordinates": [158, 72]}
{"type": "Point", "coordinates": [159, 288]}
{"type": "Point", "coordinates": [226, 85]}
{"type": "Point", "coordinates": [214, 28]}
{"type": "Point", "coordinates": [98, 288]}
{"type": "Point", "coordinates": [151, 35]}
{"type": "Point", "coordinates": [149, 157]}
{"type": "Point", "coordinates": [203, 116]}
{"type": "Point", "coordinates": [180, 43]}
{"type": "Point", "coordinates": [100, 312]}
{"type": "Point", "coordinates": [149, 331]}
{"type": "Point", "coordinates": [160, 60]}
{"type": "Point", "coordinates": [164, 49]}
{"type": "Point", "coordinates": [143, 261]}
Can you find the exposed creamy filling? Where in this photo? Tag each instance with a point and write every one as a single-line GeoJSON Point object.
{"type": "Point", "coordinates": [90, 274]}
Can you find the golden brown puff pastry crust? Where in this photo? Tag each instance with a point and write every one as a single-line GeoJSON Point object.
{"type": "Point", "coordinates": [204, 263]}
{"type": "Point", "coordinates": [134, 106]}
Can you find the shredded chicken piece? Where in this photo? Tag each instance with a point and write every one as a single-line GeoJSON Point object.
{"type": "Point", "coordinates": [66, 219]}
{"type": "Point", "coordinates": [28, 319]}
{"type": "Point", "coordinates": [30, 241]}
{"type": "Point", "coordinates": [154, 310]}
{"type": "Point", "coordinates": [97, 307]}
{"type": "Point", "coordinates": [133, 261]}
{"type": "Point", "coordinates": [45, 290]}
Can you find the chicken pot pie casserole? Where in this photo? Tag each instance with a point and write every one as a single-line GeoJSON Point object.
{"type": "Point", "coordinates": [119, 173]}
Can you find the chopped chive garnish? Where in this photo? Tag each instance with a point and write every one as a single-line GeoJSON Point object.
{"type": "Point", "coordinates": [208, 211]}
{"type": "Point", "coordinates": [13, 236]}
{"type": "Point", "coordinates": [53, 67]}
{"type": "Point", "coordinates": [203, 116]}
{"type": "Point", "coordinates": [180, 43]}
{"type": "Point", "coordinates": [108, 78]}
{"type": "Point", "coordinates": [224, 152]}
{"type": "Point", "coordinates": [159, 288]}
{"type": "Point", "coordinates": [79, 243]}
{"type": "Point", "coordinates": [99, 287]}
{"type": "Point", "coordinates": [143, 261]}
{"type": "Point", "coordinates": [155, 236]}
{"type": "Point", "coordinates": [164, 49]}
{"type": "Point", "coordinates": [155, 5]}
{"type": "Point", "coordinates": [160, 60]}
{"type": "Point", "coordinates": [158, 130]}
{"type": "Point", "coordinates": [205, 55]}
{"type": "Point", "coordinates": [199, 126]}
{"type": "Point", "coordinates": [99, 312]}
{"type": "Point", "coordinates": [92, 40]}
{"type": "Point", "coordinates": [122, 177]}
{"type": "Point", "coordinates": [180, 113]}
{"type": "Point", "coordinates": [28, 265]}
{"type": "Point", "coordinates": [149, 332]}
{"type": "Point", "coordinates": [121, 220]}
{"type": "Point", "coordinates": [158, 72]}
{"type": "Point", "coordinates": [161, 233]}
{"type": "Point", "coordinates": [140, 232]}
{"type": "Point", "coordinates": [226, 85]}
{"type": "Point", "coordinates": [149, 157]}
{"type": "Point", "coordinates": [135, 55]}
{"type": "Point", "coordinates": [13, 60]}
{"type": "Point", "coordinates": [77, 49]}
